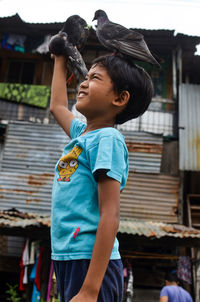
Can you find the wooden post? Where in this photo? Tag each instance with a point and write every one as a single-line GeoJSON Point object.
{"type": "Point", "coordinates": [174, 77]}
{"type": "Point", "coordinates": [20, 113]}
{"type": "Point", "coordinates": [180, 66]}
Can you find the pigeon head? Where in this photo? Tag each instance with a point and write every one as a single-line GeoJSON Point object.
{"type": "Point", "coordinates": [100, 16]}
{"type": "Point", "coordinates": [57, 43]}
{"type": "Point", "coordinates": [63, 35]}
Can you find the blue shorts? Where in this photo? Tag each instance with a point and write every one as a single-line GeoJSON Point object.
{"type": "Point", "coordinates": [71, 274]}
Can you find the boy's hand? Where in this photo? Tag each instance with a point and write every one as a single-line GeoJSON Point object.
{"type": "Point", "coordinates": [83, 297]}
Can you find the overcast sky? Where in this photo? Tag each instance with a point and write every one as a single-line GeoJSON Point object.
{"type": "Point", "coordinates": [181, 15]}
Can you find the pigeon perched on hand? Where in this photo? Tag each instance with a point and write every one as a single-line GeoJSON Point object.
{"type": "Point", "coordinates": [77, 30]}
{"type": "Point", "coordinates": [72, 37]}
{"type": "Point", "coordinates": [118, 38]}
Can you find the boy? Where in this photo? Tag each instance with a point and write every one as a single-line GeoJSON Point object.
{"type": "Point", "coordinates": [171, 292]}
{"type": "Point", "coordinates": [90, 175]}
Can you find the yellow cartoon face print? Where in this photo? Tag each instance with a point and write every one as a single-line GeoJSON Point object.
{"type": "Point", "coordinates": [68, 164]}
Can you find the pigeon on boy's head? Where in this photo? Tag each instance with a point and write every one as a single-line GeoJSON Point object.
{"type": "Point", "coordinates": [118, 38]}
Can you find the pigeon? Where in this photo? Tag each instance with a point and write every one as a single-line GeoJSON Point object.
{"type": "Point", "coordinates": [70, 39]}
{"type": "Point", "coordinates": [118, 38]}
{"type": "Point", "coordinates": [77, 30]}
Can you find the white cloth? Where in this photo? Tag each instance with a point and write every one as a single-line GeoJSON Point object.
{"type": "Point", "coordinates": [25, 277]}
{"type": "Point", "coordinates": [44, 47]}
{"type": "Point", "coordinates": [14, 39]}
{"type": "Point", "coordinates": [34, 248]}
{"type": "Point", "coordinates": [25, 256]}
{"type": "Point", "coordinates": [130, 287]}
{"type": "Point", "coordinates": [25, 259]}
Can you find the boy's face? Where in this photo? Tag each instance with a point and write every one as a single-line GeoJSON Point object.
{"type": "Point", "coordinates": [96, 93]}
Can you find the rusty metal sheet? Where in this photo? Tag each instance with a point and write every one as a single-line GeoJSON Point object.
{"type": "Point", "coordinates": [31, 152]}
{"type": "Point", "coordinates": [26, 192]}
{"type": "Point", "coordinates": [145, 151]}
{"type": "Point", "coordinates": [29, 157]}
{"type": "Point", "coordinates": [150, 197]}
{"type": "Point", "coordinates": [37, 148]}
{"type": "Point", "coordinates": [156, 229]}
{"type": "Point", "coordinates": [189, 127]}
{"type": "Point", "coordinates": [15, 219]}
{"type": "Point", "coordinates": [32, 148]}
{"type": "Point", "coordinates": [12, 219]}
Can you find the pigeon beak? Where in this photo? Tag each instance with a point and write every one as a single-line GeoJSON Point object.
{"type": "Point", "coordinates": [94, 18]}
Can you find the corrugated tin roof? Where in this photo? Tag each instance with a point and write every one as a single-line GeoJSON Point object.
{"type": "Point", "coordinates": [156, 229]}
{"type": "Point", "coordinates": [161, 39]}
{"type": "Point", "coordinates": [150, 197]}
{"type": "Point", "coordinates": [14, 24]}
{"type": "Point", "coordinates": [16, 219]}
{"type": "Point", "coordinates": [189, 127]}
{"type": "Point", "coordinates": [150, 229]}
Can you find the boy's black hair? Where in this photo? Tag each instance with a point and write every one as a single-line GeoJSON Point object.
{"type": "Point", "coordinates": [171, 277]}
{"type": "Point", "coordinates": [126, 75]}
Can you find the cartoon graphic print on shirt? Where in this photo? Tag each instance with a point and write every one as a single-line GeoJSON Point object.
{"type": "Point", "coordinates": [68, 164]}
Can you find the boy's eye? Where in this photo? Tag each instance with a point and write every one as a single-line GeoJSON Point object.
{"type": "Point", "coordinates": [95, 77]}
{"type": "Point", "coordinates": [92, 77]}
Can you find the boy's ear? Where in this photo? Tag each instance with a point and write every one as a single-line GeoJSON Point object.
{"type": "Point", "coordinates": [122, 99]}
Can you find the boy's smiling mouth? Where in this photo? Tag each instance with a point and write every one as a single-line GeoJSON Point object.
{"type": "Point", "coordinates": [82, 93]}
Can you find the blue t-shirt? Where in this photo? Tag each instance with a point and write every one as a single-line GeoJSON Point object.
{"type": "Point", "coordinates": [175, 294]}
{"type": "Point", "coordinates": [75, 208]}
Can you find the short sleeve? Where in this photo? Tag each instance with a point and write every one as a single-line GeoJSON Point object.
{"type": "Point", "coordinates": [109, 154]}
{"type": "Point", "coordinates": [164, 292]}
{"type": "Point", "coordinates": [76, 128]}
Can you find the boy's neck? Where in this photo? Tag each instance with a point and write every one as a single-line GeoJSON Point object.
{"type": "Point", "coordinates": [97, 124]}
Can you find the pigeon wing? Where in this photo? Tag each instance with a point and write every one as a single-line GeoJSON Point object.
{"type": "Point", "coordinates": [139, 50]}
{"type": "Point", "coordinates": [111, 30]}
{"type": "Point", "coordinates": [127, 41]}
{"type": "Point", "coordinates": [76, 59]}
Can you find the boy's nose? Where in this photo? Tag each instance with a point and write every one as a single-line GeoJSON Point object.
{"type": "Point", "coordinates": [84, 84]}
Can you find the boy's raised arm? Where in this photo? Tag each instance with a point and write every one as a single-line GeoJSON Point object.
{"type": "Point", "coordinates": [59, 99]}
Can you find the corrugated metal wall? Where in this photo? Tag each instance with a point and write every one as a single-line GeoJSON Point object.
{"type": "Point", "coordinates": [150, 197]}
{"type": "Point", "coordinates": [32, 150]}
{"type": "Point", "coordinates": [29, 157]}
{"type": "Point", "coordinates": [145, 151]}
{"type": "Point", "coordinates": [26, 192]}
{"type": "Point", "coordinates": [189, 127]}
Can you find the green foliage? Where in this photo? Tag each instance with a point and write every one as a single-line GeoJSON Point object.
{"type": "Point", "coordinates": [13, 295]}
